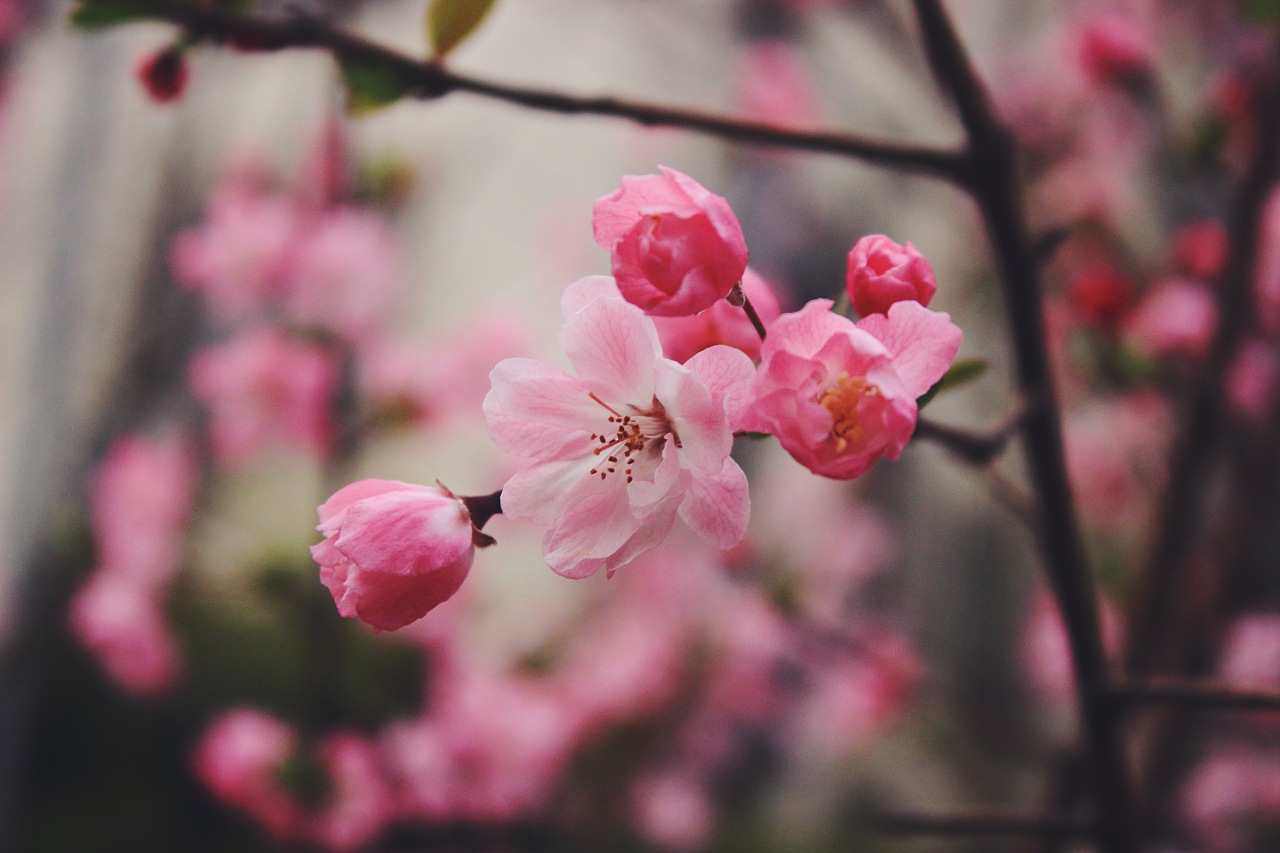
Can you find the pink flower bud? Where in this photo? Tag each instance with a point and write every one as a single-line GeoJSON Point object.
{"type": "Point", "coordinates": [881, 273]}
{"type": "Point", "coordinates": [677, 247]}
{"type": "Point", "coordinates": [164, 75]}
{"type": "Point", "coordinates": [392, 551]}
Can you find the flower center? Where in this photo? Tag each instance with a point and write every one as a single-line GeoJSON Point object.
{"type": "Point", "coordinates": [842, 400]}
{"type": "Point", "coordinates": [626, 436]}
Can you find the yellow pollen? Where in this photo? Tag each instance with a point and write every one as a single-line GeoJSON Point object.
{"type": "Point", "coordinates": [841, 400]}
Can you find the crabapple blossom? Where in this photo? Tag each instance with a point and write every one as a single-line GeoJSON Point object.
{"type": "Point", "coordinates": [1177, 318]}
{"type": "Point", "coordinates": [122, 626]}
{"type": "Point", "coordinates": [238, 758]}
{"type": "Point", "coordinates": [722, 323]}
{"type": "Point", "coordinates": [677, 247]}
{"type": "Point", "coordinates": [840, 396]}
{"type": "Point", "coordinates": [613, 455]}
{"type": "Point", "coordinates": [392, 551]}
{"type": "Point", "coordinates": [881, 272]}
{"type": "Point", "coordinates": [239, 257]}
{"type": "Point", "coordinates": [264, 387]}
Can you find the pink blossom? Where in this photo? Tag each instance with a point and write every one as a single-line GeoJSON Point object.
{"type": "Point", "coordinates": [677, 248]}
{"type": "Point", "coordinates": [1046, 650]}
{"type": "Point", "coordinates": [722, 323]}
{"type": "Point", "coordinates": [238, 759]}
{"type": "Point", "coordinates": [345, 273]}
{"type": "Point", "coordinates": [239, 257]}
{"type": "Point", "coordinates": [392, 551]}
{"type": "Point", "coordinates": [1177, 318]}
{"type": "Point", "coordinates": [773, 84]}
{"type": "Point", "coordinates": [446, 377]}
{"type": "Point", "coordinates": [1115, 458]}
{"type": "Point", "coordinates": [261, 388]}
{"type": "Point", "coordinates": [1251, 652]}
{"type": "Point", "coordinates": [1201, 249]}
{"type": "Point", "coordinates": [672, 810]}
{"type": "Point", "coordinates": [360, 803]}
{"type": "Point", "coordinates": [839, 396]}
{"type": "Point", "coordinates": [1101, 295]}
{"type": "Point", "coordinates": [1252, 379]}
{"type": "Point", "coordinates": [495, 748]}
{"type": "Point", "coordinates": [119, 621]}
{"type": "Point", "coordinates": [881, 273]}
{"type": "Point", "coordinates": [139, 502]}
{"type": "Point", "coordinates": [615, 453]}
{"type": "Point", "coordinates": [1114, 49]}
{"type": "Point", "coordinates": [1232, 799]}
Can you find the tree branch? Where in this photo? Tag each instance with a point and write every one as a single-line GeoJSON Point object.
{"type": "Point", "coordinates": [993, 181]}
{"type": "Point", "coordinates": [431, 79]}
{"type": "Point", "coordinates": [992, 823]}
{"type": "Point", "coordinates": [1200, 694]}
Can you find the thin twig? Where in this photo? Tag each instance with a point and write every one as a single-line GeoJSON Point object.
{"type": "Point", "coordinates": [994, 184]}
{"type": "Point", "coordinates": [992, 823]}
{"type": "Point", "coordinates": [754, 317]}
{"type": "Point", "coordinates": [1201, 694]}
{"type": "Point", "coordinates": [974, 447]}
{"type": "Point", "coordinates": [431, 79]}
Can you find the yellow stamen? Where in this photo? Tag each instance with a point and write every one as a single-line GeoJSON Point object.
{"type": "Point", "coordinates": [841, 400]}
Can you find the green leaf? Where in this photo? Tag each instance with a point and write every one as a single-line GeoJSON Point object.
{"type": "Point", "coordinates": [1261, 11]}
{"type": "Point", "coordinates": [371, 86]}
{"type": "Point", "coordinates": [97, 14]}
{"type": "Point", "coordinates": [451, 21]}
{"type": "Point", "coordinates": [961, 373]}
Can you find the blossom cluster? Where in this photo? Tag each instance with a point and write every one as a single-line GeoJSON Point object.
{"type": "Point", "coordinates": [613, 453]}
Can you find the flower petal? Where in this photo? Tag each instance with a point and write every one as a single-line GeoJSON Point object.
{"type": "Point", "coordinates": [583, 291]}
{"type": "Point", "coordinates": [538, 411]}
{"type": "Point", "coordinates": [405, 532]}
{"type": "Point", "coordinates": [921, 342]}
{"type": "Point", "coordinates": [728, 373]}
{"type": "Point", "coordinates": [717, 506]}
{"type": "Point", "coordinates": [614, 347]}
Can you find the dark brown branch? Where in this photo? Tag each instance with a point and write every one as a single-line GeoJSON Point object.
{"type": "Point", "coordinates": [1202, 695]}
{"type": "Point", "coordinates": [431, 79]}
{"type": "Point", "coordinates": [993, 181]}
{"type": "Point", "coordinates": [984, 824]}
{"type": "Point", "coordinates": [1202, 429]}
{"type": "Point", "coordinates": [754, 317]}
{"type": "Point", "coordinates": [974, 447]}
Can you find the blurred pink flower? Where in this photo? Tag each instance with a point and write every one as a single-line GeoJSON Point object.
{"type": "Point", "coordinates": [361, 801]}
{"type": "Point", "coordinates": [1253, 378]}
{"type": "Point", "coordinates": [392, 551]}
{"type": "Point", "coordinates": [494, 748]}
{"type": "Point", "coordinates": [677, 248]}
{"type": "Point", "coordinates": [346, 270]}
{"type": "Point", "coordinates": [1114, 49]}
{"type": "Point", "coordinates": [139, 502]}
{"type": "Point", "coordinates": [773, 84]}
{"type": "Point", "coordinates": [880, 273]}
{"type": "Point", "coordinates": [239, 758]}
{"type": "Point", "coordinates": [1115, 458]}
{"type": "Point", "coordinates": [119, 621]}
{"type": "Point", "coordinates": [839, 396]}
{"type": "Point", "coordinates": [722, 323]}
{"type": "Point", "coordinates": [1230, 797]}
{"type": "Point", "coordinates": [1251, 652]}
{"type": "Point", "coordinates": [672, 810]}
{"type": "Point", "coordinates": [1046, 652]}
{"type": "Point", "coordinates": [1200, 249]}
{"type": "Point", "coordinates": [445, 377]}
{"type": "Point", "coordinates": [239, 258]}
{"type": "Point", "coordinates": [614, 454]}
{"type": "Point", "coordinates": [261, 388]}
{"type": "Point", "coordinates": [1176, 318]}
